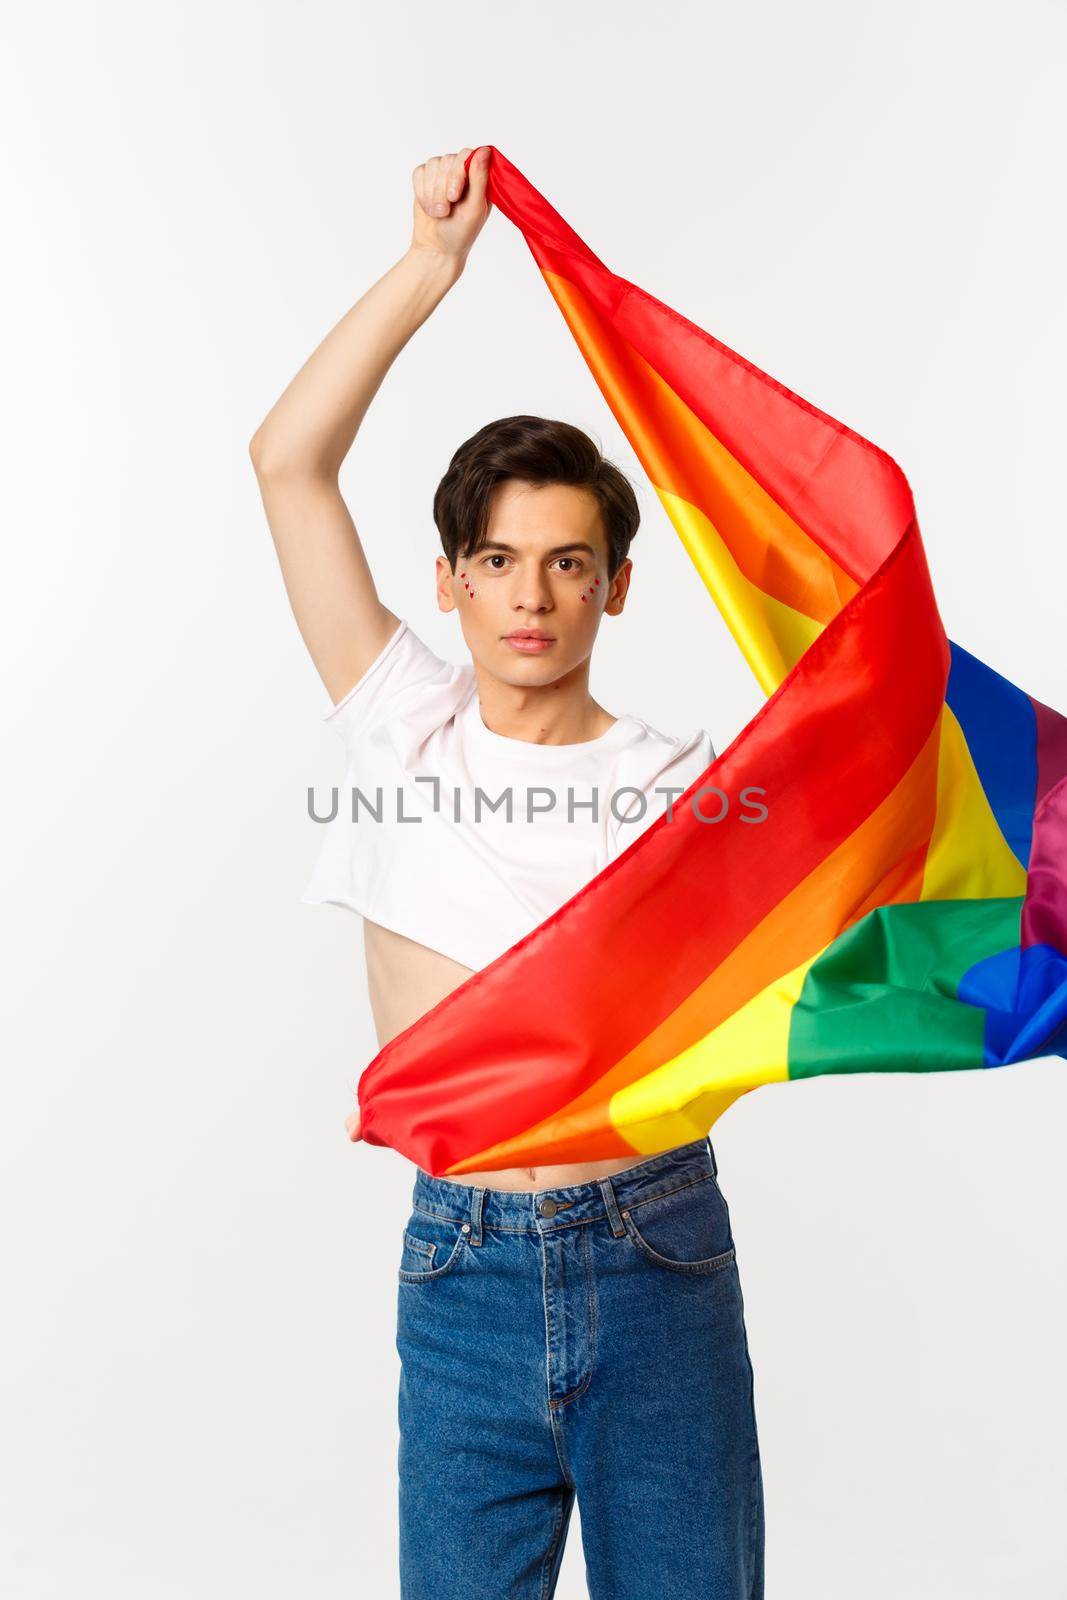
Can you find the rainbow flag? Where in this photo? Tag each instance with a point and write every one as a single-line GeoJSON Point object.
{"type": "Point", "coordinates": [902, 907]}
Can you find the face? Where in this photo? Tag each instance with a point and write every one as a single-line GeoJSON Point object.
{"type": "Point", "coordinates": [544, 569]}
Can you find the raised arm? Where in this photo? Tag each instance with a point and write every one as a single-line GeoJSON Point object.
{"type": "Point", "coordinates": [298, 449]}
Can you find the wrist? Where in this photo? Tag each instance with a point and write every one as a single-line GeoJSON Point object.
{"type": "Point", "coordinates": [436, 264]}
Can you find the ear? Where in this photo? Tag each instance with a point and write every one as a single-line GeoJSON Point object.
{"type": "Point", "coordinates": [618, 588]}
{"type": "Point", "coordinates": [444, 578]}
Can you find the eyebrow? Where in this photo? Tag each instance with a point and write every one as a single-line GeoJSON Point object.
{"type": "Point", "coordinates": [556, 550]}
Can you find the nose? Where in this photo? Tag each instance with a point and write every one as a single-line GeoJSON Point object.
{"type": "Point", "coordinates": [533, 591]}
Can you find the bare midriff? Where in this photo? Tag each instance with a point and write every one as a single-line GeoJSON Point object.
{"type": "Point", "coordinates": [405, 980]}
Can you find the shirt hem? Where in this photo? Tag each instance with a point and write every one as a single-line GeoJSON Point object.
{"type": "Point", "coordinates": [334, 898]}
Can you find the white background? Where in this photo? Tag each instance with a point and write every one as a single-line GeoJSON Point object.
{"type": "Point", "coordinates": [198, 1268]}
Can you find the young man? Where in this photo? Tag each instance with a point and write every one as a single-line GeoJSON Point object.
{"type": "Point", "coordinates": [564, 1331]}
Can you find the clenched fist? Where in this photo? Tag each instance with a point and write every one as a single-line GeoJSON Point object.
{"type": "Point", "coordinates": [450, 204]}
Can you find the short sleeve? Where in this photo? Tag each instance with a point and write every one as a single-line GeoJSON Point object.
{"type": "Point", "coordinates": [691, 759]}
{"type": "Point", "coordinates": [663, 768]}
{"type": "Point", "coordinates": [403, 676]}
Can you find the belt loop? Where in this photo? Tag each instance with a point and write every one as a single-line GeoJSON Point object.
{"type": "Point", "coordinates": [711, 1153]}
{"type": "Point", "coordinates": [617, 1225]}
{"type": "Point", "coordinates": [477, 1198]}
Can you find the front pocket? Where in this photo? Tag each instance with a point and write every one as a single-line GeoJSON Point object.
{"type": "Point", "coordinates": [431, 1246]}
{"type": "Point", "coordinates": [417, 1254]}
{"type": "Point", "coordinates": [686, 1230]}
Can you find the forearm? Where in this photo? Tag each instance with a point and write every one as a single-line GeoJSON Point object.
{"type": "Point", "coordinates": [311, 427]}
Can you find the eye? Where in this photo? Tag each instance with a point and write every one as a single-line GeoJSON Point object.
{"type": "Point", "coordinates": [574, 562]}
{"type": "Point", "coordinates": [494, 558]}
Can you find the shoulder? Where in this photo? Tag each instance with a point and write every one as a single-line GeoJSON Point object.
{"type": "Point", "coordinates": [660, 765]}
{"type": "Point", "coordinates": [407, 681]}
{"type": "Point", "coordinates": [691, 752]}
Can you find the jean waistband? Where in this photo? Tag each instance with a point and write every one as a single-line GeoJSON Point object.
{"type": "Point", "coordinates": [543, 1209]}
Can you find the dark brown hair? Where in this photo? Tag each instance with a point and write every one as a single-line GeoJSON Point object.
{"type": "Point", "coordinates": [536, 450]}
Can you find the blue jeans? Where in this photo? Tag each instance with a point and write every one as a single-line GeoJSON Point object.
{"type": "Point", "coordinates": [580, 1342]}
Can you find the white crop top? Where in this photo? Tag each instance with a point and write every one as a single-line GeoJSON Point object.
{"type": "Point", "coordinates": [430, 857]}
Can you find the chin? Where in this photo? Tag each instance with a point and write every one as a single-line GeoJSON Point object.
{"type": "Point", "coordinates": [532, 671]}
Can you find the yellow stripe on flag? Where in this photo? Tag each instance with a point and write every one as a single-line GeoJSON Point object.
{"type": "Point", "coordinates": [771, 636]}
{"type": "Point", "coordinates": [681, 1100]}
{"type": "Point", "coordinates": [968, 858]}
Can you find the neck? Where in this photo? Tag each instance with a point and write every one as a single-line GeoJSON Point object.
{"type": "Point", "coordinates": [563, 712]}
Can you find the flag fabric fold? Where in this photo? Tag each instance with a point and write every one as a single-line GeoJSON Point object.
{"type": "Point", "coordinates": [902, 904]}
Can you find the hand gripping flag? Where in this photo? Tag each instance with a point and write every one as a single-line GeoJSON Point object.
{"type": "Point", "coordinates": [902, 907]}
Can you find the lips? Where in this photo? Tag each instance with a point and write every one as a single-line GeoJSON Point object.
{"type": "Point", "coordinates": [529, 641]}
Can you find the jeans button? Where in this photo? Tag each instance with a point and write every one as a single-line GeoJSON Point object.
{"type": "Point", "coordinates": [548, 1208]}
